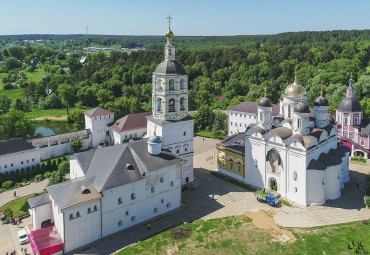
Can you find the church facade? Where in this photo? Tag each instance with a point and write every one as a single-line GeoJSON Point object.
{"type": "Point", "coordinates": [294, 153]}
{"type": "Point", "coordinates": [353, 129]}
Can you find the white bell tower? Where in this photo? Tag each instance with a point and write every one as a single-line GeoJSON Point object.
{"type": "Point", "coordinates": [170, 118]}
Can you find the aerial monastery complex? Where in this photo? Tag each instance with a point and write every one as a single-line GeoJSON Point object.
{"type": "Point", "coordinates": [117, 182]}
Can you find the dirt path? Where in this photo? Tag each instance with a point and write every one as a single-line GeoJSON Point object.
{"type": "Point", "coordinates": [261, 220]}
{"type": "Point", "coordinates": [50, 117]}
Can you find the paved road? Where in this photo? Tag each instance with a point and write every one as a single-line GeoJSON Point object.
{"type": "Point", "coordinates": [8, 233]}
{"type": "Point", "coordinates": [8, 196]}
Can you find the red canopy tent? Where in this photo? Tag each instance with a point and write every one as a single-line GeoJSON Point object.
{"type": "Point", "coordinates": [45, 241]}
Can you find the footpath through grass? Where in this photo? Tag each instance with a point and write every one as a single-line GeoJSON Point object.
{"type": "Point", "coordinates": [17, 206]}
{"type": "Point", "coordinates": [237, 235]}
{"type": "Point", "coordinates": [52, 112]}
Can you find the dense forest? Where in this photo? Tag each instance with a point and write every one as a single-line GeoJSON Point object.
{"type": "Point", "coordinates": [237, 67]}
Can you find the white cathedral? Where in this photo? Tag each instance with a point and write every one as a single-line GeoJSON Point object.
{"type": "Point", "coordinates": [295, 153]}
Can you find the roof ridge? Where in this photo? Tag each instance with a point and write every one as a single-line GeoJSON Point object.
{"type": "Point", "coordinates": [115, 163]}
{"type": "Point", "coordinates": [135, 156]}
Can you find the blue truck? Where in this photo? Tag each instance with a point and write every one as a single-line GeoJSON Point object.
{"type": "Point", "coordinates": [269, 199]}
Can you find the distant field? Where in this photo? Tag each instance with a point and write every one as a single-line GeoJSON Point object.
{"type": "Point", "coordinates": [51, 112]}
{"type": "Point", "coordinates": [237, 235]}
{"type": "Point", "coordinates": [17, 93]}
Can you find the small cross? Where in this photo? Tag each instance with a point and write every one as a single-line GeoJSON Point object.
{"type": "Point", "coordinates": [322, 88]}
{"type": "Point", "coordinates": [169, 20]}
{"type": "Point", "coordinates": [265, 89]}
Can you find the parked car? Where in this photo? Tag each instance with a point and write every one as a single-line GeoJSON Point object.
{"type": "Point", "coordinates": [22, 236]}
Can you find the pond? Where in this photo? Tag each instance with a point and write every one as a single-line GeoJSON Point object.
{"type": "Point", "coordinates": [49, 129]}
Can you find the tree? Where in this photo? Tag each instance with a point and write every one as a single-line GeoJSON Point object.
{"type": "Point", "coordinates": [64, 167]}
{"type": "Point", "coordinates": [15, 124]}
{"type": "Point", "coordinates": [67, 95]}
{"type": "Point", "coordinates": [78, 119]}
{"type": "Point", "coordinates": [4, 104]}
{"type": "Point", "coordinates": [11, 63]}
{"type": "Point", "coordinates": [220, 122]}
{"type": "Point", "coordinates": [77, 145]}
{"type": "Point", "coordinates": [204, 118]}
{"type": "Point", "coordinates": [55, 177]}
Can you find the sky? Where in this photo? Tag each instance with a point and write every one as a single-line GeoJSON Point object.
{"type": "Point", "coordinates": [189, 17]}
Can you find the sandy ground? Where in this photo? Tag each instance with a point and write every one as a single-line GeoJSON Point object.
{"type": "Point", "coordinates": [50, 117]}
{"type": "Point", "coordinates": [261, 220]}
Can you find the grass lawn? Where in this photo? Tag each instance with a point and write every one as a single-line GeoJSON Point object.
{"type": "Point", "coordinates": [16, 205]}
{"type": "Point", "coordinates": [36, 76]}
{"type": "Point", "coordinates": [237, 235]}
{"type": "Point", "coordinates": [11, 93]}
{"type": "Point", "coordinates": [53, 112]}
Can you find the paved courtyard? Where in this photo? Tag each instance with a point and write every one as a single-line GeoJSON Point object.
{"type": "Point", "coordinates": [232, 200]}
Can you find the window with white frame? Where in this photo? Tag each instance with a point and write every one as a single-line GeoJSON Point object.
{"type": "Point", "coordinates": [295, 175]}
{"type": "Point", "coordinates": [362, 142]}
{"type": "Point", "coordinates": [239, 169]}
{"type": "Point", "coordinates": [231, 166]}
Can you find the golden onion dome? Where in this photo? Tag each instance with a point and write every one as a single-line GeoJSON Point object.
{"type": "Point", "coordinates": [169, 34]}
{"type": "Point", "coordinates": [295, 90]}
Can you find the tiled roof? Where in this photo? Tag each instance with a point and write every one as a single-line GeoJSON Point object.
{"type": "Point", "coordinates": [108, 165]}
{"type": "Point", "coordinates": [39, 200]}
{"type": "Point", "coordinates": [97, 112]}
{"type": "Point", "coordinates": [73, 192]}
{"type": "Point", "coordinates": [251, 107]}
{"type": "Point", "coordinates": [14, 145]}
{"type": "Point", "coordinates": [131, 122]}
{"type": "Point", "coordinates": [235, 142]}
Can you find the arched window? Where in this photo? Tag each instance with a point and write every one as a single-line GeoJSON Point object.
{"type": "Point", "coordinates": [295, 176]}
{"type": "Point", "coordinates": [289, 114]}
{"type": "Point", "coordinates": [171, 107]}
{"type": "Point", "coordinates": [171, 85]}
{"type": "Point", "coordinates": [182, 84]}
{"type": "Point", "coordinates": [182, 104]}
{"type": "Point", "coordinates": [152, 190]}
{"type": "Point", "coordinates": [261, 116]}
{"type": "Point", "coordinates": [133, 196]}
{"type": "Point", "coordinates": [120, 200]}
{"type": "Point", "coordinates": [159, 104]}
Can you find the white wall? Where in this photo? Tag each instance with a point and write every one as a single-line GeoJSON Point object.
{"type": "Point", "coordinates": [142, 207]}
{"type": "Point", "coordinates": [32, 156]}
{"type": "Point", "coordinates": [118, 137]}
{"type": "Point", "coordinates": [60, 149]}
{"type": "Point", "coordinates": [75, 168]}
{"type": "Point", "coordinates": [239, 121]}
{"type": "Point", "coordinates": [178, 137]}
{"type": "Point", "coordinates": [82, 230]}
{"type": "Point", "coordinates": [99, 127]}
{"type": "Point", "coordinates": [41, 214]}
{"type": "Point", "coordinates": [316, 187]}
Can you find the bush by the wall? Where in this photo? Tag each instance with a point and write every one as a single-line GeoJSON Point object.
{"type": "Point", "coordinates": [7, 184]}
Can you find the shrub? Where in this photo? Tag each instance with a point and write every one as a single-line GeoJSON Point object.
{"type": "Point", "coordinates": [18, 185]}
{"type": "Point", "coordinates": [367, 201]}
{"type": "Point", "coordinates": [64, 167]}
{"type": "Point", "coordinates": [7, 184]}
{"type": "Point", "coordinates": [8, 213]}
{"type": "Point", "coordinates": [23, 173]}
{"type": "Point", "coordinates": [47, 174]}
{"type": "Point", "coordinates": [25, 206]}
{"type": "Point", "coordinates": [12, 176]}
{"type": "Point", "coordinates": [38, 169]}
{"type": "Point", "coordinates": [38, 176]}
{"type": "Point", "coordinates": [28, 172]}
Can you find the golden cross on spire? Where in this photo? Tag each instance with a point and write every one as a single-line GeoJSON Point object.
{"type": "Point", "coordinates": [322, 88]}
{"type": "Point", "coordinates": [295, 76]}
{"type": "Point", "coordinates": [169, 21]}
{"type": "Point", "coordinates": [265, 89]}
{"type": "Point", "coordinates": [302, 97]}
